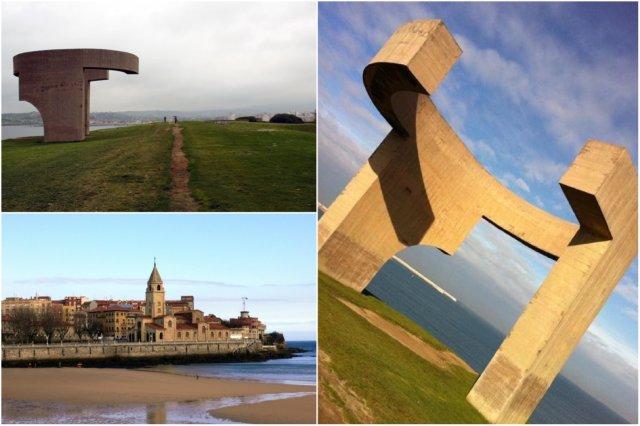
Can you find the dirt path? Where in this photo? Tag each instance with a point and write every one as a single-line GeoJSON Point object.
{"type": "Point", "coordinates": [439, 358]}
{"type": "Point", "coordinates": [181, 199]}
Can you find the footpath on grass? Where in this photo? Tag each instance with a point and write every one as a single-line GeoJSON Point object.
{"type": "Point", "coordinates": [181, 198]}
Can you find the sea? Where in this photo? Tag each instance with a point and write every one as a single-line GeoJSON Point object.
{"type": "Point", "coordinates": [475, 341]}
{"type": "Point", "coordinates": [11, 132]}
{"type": "Point", "coordinates": [299, 370]}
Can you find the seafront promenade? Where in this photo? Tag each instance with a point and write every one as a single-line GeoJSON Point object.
{"type": "Point", "coordinates": [94, 351]}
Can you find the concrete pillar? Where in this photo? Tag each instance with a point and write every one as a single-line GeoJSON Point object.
{"type": "Point", "coordinates": [602, 188]}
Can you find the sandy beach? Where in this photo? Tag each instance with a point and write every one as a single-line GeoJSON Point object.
{"type": "Point", "coordinates": [291, 410]}
{"type": "Point", "coordinates": [120, 386]}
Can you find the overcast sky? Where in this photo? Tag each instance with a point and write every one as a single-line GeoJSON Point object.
{"type": "Point", "coordinates": [193, 55]}
{"type": "Point", "coordinates": [533, 84]}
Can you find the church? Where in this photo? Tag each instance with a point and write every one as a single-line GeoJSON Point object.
{"type": "Point", "coordinates": [161, 322]}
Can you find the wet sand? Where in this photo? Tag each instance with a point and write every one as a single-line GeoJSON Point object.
{"type": "Point", "coordinates": [291, 410]}
{"type": "Point", "coordinates": [126, 387]}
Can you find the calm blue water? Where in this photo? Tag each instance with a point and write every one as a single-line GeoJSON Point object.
{"type": "Point", "coordinates": [475, 341]}
{"type": "Point", "coordinates": [10, 132]}
{"type": "Point", "coordinates": [299, 370]}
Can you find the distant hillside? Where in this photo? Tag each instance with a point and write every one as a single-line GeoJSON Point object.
{"type": "Point", "coordinates": [22, 119]}
{"type": "Point", "coordinates": [139, 117]}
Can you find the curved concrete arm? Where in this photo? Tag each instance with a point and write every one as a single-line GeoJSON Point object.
{"type": "Point", "coordinates": [45, 61]}
{"type": "Point", "coordinates": [416, 59]}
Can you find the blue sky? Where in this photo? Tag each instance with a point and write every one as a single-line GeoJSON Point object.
{"type": "Point", "coordinates": [268, 258]}
{"type": "Point", "coordinates": [533, 84]}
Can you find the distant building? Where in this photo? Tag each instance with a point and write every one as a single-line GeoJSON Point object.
{"type": "Point", "coordinates": [307, 117]}
{"type": "Point", "coordinates": [37, 303]}
{"type": "Point", "coordinates": [114, 320]}
{"type": "Point", "coordinates": [251, 327]}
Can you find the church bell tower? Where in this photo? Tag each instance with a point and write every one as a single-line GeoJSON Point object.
{"type": "Point", "coordinates": [155, 306]}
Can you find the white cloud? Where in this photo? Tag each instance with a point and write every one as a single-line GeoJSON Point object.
{"type": "Point", "coordinates": [602, 339]}
{"type": "Point", "coordinates": [515, 269]}
{"type": "Point", "coordinates": [336, 145]}
{"type": "Point", "coordinates": [577, 98]}
{"type": "Point", "coordinates": [522, 184]}
{"type": "Point", "coordinates": [628, 290]}
{"type": "Point", "coordinates": [544, 169]}
{"type": "Point", "coordinates": [508, 179]}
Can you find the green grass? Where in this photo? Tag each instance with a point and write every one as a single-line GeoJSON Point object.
{"type": "Point", "coordinates": [123, 169]}
{"type": "Point", "coordinates": [251, 166]}
{"type": "Point", "coordinates": [397, 385]}
{"type": "Point", "coordinates": [234, 167]}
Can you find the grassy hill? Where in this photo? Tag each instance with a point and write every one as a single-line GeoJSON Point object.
{"type": "Point", "coordinates": [234, 167]}
{"type": "Point", "coordinates": [123, 169]}
{"type": "Point", "coordinates": [368, 377]}
{"type": "Point", "coordinates": [245, 166]}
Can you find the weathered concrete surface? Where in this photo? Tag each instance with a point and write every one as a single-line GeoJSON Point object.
{"type": "Point", "coordinates": [57, 83]}
{"type": "Point", "coordinates": [85, 351]}
{"type": "Point", "coordinates": [422, 186]}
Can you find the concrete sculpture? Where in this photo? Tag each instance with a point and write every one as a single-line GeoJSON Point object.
{"type": "Point", "coordinates": [422, 186]}
{"type": "Point", "coordinates": [57, 83]}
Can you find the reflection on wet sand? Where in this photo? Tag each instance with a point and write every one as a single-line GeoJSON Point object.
{"type": "Point", "coordinates": [18, 411]}
{"type": "Point", "coordinates": [156, 413]}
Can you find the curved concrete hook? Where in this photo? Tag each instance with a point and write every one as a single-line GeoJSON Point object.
{"type": "Point", "coordinates": [399, 66]}
{"type": "Point", "coordinates": [46, 61]}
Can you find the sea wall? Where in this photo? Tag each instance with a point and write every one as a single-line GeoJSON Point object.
{"type": "Point", "coordinates": [128, 353]}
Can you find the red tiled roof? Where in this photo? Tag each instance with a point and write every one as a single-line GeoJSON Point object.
{"type": "Point", "coordinates": [113, 308]}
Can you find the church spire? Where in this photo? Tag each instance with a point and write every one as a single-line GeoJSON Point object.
{"type": "Point", "coordinates": [155, 303]}
{"type": "Point", "coordinates": [154, 278]}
